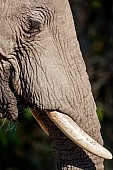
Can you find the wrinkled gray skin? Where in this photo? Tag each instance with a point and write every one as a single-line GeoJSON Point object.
{"type": "Point", "coordinates": [41, 66]}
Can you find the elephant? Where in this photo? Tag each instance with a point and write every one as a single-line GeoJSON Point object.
{"type": "Point", "coordinates": [41, 66]}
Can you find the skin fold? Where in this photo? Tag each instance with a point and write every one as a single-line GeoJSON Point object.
{"type": "Point", "coordinates": [41, 66]}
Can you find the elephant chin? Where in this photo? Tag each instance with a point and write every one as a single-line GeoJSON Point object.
{"type": "Point", "coordinates": [75, 133]}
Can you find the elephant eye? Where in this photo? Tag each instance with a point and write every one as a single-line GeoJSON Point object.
{"type": "Point", "coordinates": [35, 25]}
{"type": "Point", "coordinates": [31, 27]}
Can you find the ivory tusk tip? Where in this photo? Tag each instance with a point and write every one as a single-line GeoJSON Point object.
{"type": "Point", "coordinates": [109, 155]}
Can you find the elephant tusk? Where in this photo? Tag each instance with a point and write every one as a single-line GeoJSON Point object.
{"type": "Point", "coordinates": [40, 122]}
{"type": "Point", "coordinates": [77, 135]}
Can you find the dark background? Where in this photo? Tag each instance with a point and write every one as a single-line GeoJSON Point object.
{"type": "Point", "coordinates": [25, 146]}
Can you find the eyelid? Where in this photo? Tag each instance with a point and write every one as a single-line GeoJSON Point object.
{"type": "Point", "coordinates": [39, 15]}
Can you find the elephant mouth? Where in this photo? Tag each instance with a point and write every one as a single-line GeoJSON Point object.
{"type": "Point", "coordinates": [21, 106]}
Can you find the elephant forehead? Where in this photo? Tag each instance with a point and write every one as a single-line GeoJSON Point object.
{"type": "Point", "coordinates": [17, 5]}
{"type": "Point", "coordinates": [14, 8]}
{"type": "Point", "coordinates": [12, 12]}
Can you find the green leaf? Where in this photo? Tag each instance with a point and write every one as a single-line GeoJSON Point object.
{"type": "Point", "coordinates": [100, 112]}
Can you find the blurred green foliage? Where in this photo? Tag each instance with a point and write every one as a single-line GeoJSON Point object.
{"type": "Point", "coordinates": [25, 145]}
{"type": "Point", "coordinates": [96, 4]}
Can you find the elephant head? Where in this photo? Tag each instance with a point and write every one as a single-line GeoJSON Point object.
{"type": "Point", "coordinates": [41, 65]}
